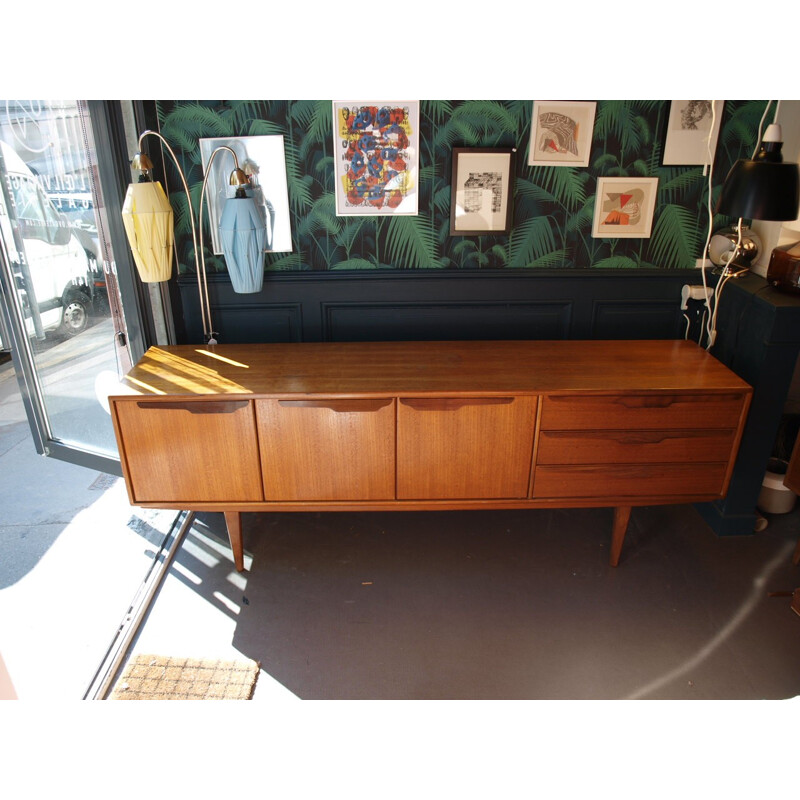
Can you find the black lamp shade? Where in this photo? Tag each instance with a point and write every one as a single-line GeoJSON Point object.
{"type": "Point", "coordinates": [761, 190]}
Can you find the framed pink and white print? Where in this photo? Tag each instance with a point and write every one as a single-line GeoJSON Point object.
{"type": "Point", "coordinates": [561, 133]}
{"type": "Point", "coordinates": [623, 208]}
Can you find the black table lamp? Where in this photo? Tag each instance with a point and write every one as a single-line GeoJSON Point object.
{"type": "Point", "coordinates": [765, 187]}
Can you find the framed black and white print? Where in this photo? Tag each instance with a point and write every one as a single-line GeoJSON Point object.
{"type": "Point", "coordinates": [692, 131]}
{"type": "Point", "coordinates": [481, 190]}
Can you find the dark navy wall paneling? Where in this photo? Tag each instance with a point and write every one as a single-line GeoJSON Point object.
{"type": "Point", "coordinates": [517, 304]}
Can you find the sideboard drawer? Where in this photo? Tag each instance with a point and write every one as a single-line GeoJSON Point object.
{"type": "Point", "coordinates": [634, 447]}
{"type": "Point", "coordinates": [641, 411]}
{"type": "Point", "coordinates": [629, 480]}
{"type": "Point", "coordinates": [186, 451]}
{"type": "Point", "coordinates": [327, 449]}
{"type": "Point", "coordinates": [468, 447]}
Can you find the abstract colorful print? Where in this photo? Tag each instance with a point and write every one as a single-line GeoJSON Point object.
{"type": "Point", "coordinates": [375, 141]}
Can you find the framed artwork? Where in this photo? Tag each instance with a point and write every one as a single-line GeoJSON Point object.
{"type": "Point", "coordinates": [481, 190]}
{"type": "Point", "coordinates": [376, 155]}
{"type": "Point", "coordinates": [623, 208]}
{"type": "Point", "coordinates": [690, 134]}
{"type": "Point", "coordinates": [561, 133]}
{"type": "Point", "coordinates": [262, 158]}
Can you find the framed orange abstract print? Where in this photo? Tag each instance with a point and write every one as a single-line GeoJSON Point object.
{"type": "Point", "coordinates": [623, 208]}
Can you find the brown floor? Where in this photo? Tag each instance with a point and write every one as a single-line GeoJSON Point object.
{"type": "Point", "coordinates": [507, 605]}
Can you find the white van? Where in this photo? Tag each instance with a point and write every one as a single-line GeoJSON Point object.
{"type": "Point", "coordinates": [57, 276]}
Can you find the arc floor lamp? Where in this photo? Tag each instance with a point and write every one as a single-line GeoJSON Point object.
{"type": "Point", "coordinates": [148, 218]}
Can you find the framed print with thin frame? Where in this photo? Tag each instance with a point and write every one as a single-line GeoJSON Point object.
{"type": "Point", "coordinates": [692, 131]}
{"type": "Point", "coordinates": [376, 157]}
{"type": "Point", "coordinates": [481, 190]}
{"type": "Point", "coordinates": [561, 133]}
{"type": "Point", "coordinates": [623, 208]}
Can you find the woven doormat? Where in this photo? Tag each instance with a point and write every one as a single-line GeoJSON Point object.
{"type": "Point", "coordinates": [167, 678]}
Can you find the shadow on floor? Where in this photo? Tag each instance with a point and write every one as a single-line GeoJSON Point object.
{"type": "Point", "coordinates": [508, 605]}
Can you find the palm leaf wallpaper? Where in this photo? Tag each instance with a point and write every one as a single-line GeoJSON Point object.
{"type": "Point", "coordinates": [553, 206]}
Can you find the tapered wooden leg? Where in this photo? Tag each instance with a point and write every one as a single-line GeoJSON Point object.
{"type": "Point", "coordinates": [233, 519]}
{"type": "Point", "coordinates": [621, 516]}
{"type": "Point", "coordinates": [796, 556]}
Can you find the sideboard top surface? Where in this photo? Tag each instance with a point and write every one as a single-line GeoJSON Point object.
{"type": "Point", "coordinates": [458, 368]}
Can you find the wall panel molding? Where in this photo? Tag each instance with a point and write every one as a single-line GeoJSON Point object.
{"type": "Point", "coordinates": [635, 319]}
{"type": "Point", "coordinates": [319, 306]}
{"type": "Point", "coordinates": [433, 321]}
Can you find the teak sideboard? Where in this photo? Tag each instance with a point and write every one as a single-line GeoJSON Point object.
{"type": "Point", "coordinates": [428, 426]}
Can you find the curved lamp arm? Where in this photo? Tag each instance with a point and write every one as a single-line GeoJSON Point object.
{"type": "Point", "coordinates": [240, 180]}
{"type": "Point", "coordinates": [205, 309]}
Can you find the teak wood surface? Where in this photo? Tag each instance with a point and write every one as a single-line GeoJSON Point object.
{"type": "Point", "coordinates": [432, 368]}
{"type": "Point", "coordinates": [428, 425]}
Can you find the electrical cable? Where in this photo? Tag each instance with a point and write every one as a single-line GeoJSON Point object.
{"type": "Point", "coordinates": [713, 316]}
{"type": "Point", "coordinates": [710, 165]}
{"type": "Point", "coordinates": [711, 326]}
{"type": "Point", "coordinates": [761, 124]}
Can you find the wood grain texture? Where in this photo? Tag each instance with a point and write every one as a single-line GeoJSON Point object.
{"type": "Point", "coordinates": [642, 411]}
{"type": "Point", "coordinates": [173, 454]}
{"type": "Point", "coordinates": [327, 449]}
{"type": "Point", "coordinates": [629, 480]}
{"type": "Point", "coordinates": [431, 368]}
{"type": "Point", "coordinates": [622, 515]}
{"type": "Point", "coordinates": [233, 521]}
{"type": "Point", "coordinates": [633, 446]}
{"type": "Point", "coordinates": [462, 449]}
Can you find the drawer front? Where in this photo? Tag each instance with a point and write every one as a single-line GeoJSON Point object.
{"type": "Point", "coordinates": [464, 448]}
{"type": "Point", "coordinates": [641, 411]}
{"type": "Point", "coordinates": [634, 447]}
{"type": "Point", "coordinates": [629, 480]}
{"type": "Point", "coordinates": [327, 449]}
{"type": "Point", "coordinates": [192, 451]}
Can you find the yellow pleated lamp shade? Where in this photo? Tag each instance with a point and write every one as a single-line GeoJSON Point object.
{"type": "Point", "coordinates": [148, 219]}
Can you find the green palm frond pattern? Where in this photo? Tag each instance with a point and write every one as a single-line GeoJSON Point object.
{"type": "Point", "coordinates": [552, 206]}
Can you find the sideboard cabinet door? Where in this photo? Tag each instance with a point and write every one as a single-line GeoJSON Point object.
{"type": "Point", "coordinates": [190, 451]}
{"type": "Point", "coordinates": [327, 449]}
{"type": "Point", "coordinates": [464, 448]}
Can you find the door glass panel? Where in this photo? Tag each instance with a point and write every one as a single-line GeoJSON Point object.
{"type": "Point", "coordinates": [64, 305]}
